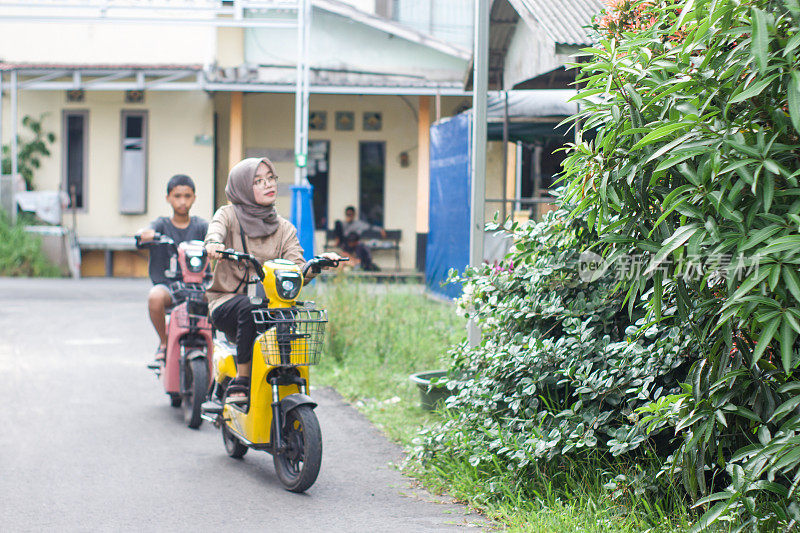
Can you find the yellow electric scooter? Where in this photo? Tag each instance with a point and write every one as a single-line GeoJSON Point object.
{"type": "Point", "coordinates": [279, 416]}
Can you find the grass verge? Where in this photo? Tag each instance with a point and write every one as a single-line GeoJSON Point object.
{"type": "Point", "coordinates": [21, 252]}
{"type": "Point", "coordinates": [378, 335]}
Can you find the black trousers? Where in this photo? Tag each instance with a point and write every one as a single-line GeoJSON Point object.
{"type": "Point", "coordinates": [235, 319]}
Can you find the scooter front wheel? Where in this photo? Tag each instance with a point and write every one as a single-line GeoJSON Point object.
{"type": "Point", "coordinates": [298, 464]}
{"type": "Point", "coordinates": [196, 387]}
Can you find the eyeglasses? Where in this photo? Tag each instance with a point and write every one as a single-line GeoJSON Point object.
{"type": "Point", "coordinates": [261, 182]}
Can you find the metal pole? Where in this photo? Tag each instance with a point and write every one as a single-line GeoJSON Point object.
{"type": "Point", "coordinates": [14, 146]}
{"type": "Point", "coordinates": [518, 181]}
{"type": "Point", "coordinates": [306, 89]}
{"type": "Point", "coordinates": [478, 159]}
{"type": "Point", "coordinates": [298, 93]}
{"type": "Point", "coordinates": [505, 151]}
{"type": "Point", "coordinates": [480, 77]}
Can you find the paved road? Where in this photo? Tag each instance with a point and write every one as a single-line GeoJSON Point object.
{"type": "Point", "coordinates": [90, 443]}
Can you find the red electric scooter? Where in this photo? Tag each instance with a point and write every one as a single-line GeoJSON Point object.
{"type": "Point", "coordinates": [187, 364]}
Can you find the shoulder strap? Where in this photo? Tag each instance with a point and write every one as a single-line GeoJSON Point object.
{"type": "Point", "coordinates": [242, 281]}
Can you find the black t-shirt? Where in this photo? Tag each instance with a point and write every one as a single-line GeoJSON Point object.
{"type": "Point", "coordinates": [160, 255]}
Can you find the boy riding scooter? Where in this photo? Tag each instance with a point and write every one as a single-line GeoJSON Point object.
{"type": "Point", "coordinates": [180, 227]}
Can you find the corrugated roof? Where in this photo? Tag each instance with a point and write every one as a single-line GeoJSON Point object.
{"type": "Point", "coordinates": [564, 21]}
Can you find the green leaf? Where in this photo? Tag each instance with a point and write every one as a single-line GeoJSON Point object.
{"type": "Point", "coordinates": [680, 158]}
{"type": "Point", "coordinates": [676, 240]}
{"type": "Point", "coordinates": [753, 90]}
{"type": "Point", "coordinates": [789, 317]}
{"type": "Point", "coordinates": [793, 43]}
{"type": "Point", "coordinates": [759, 40]}
{"type": "Point", "coordinates": [774, 276]}
{"type": "Point", "coordinates": [709, 517]}
{"type": "Point", "coordinates": [785, 408]}
{"type": "Point", "coordinates": [766, 336]}
{"type": "Point", "coordinates": [752, 280]}
{"type": "Point", "coordinates": [759, 236]}
{"type": "Point", "coordinates": [792, 282]}
{"type": "Point", "coordinates": [781, 244]}
{"type": "Point", "coordinates": [791, 458]}
{"type": "Point", "coordinates": [660, 133]}
{"type": "Point", "coordinates": [769, 191]}
{"type": "Point", "coordinates": [794, 98]}
{"type": "Point", "coordinates": [788, 335]}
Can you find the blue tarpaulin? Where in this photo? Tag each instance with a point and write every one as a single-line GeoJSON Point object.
{"type": "Point", "coordinates": [303, 217]}
{"type": "Point", "coordinates": [449, 208]}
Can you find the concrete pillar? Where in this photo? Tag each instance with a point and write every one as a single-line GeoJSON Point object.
{"type": "Point", "coordinates": [511, 176]}
{"type": "Point", "coordinates": [423, 178]}
{"type": "Point", "coordinates": [236, 143]}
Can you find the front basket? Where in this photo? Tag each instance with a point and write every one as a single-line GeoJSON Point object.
{"type": "Point", "coordinates": [290, 337]}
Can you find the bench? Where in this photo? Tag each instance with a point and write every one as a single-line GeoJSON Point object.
{"type": "Point", "coordinates": [374, 242]}
{"type": "Point", "coordinates": [107, 245]}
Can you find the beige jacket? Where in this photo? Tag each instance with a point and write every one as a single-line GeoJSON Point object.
{"type": "Point", "coordinates": [224, 228]}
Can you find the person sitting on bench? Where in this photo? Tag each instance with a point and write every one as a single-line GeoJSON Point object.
{"type": "Point", "coordinates": [348, 237]}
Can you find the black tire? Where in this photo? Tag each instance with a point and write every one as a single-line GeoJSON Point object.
{"type": "Point", "coordinates": [233, 446]}
{"type": "Point", "coordinates": [298, 466]}
{"type": "Point", "coordinates": [175, 399]}
{"type": "Point", "coordinates": [196, 387]}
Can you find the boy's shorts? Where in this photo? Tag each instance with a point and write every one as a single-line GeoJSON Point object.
{"type": "Point", "coordinates": [171, 293]}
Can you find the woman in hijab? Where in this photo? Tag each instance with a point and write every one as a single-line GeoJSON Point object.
{"type": "Point", "coordinates": [251, 224]}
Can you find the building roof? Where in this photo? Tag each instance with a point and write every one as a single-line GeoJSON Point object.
{"type": "Point", "coordinates": [97, 77]}
{"type": "Point", "coordinates": [564, 21]}
{"type": "Point", "coordinates": [391, 27]}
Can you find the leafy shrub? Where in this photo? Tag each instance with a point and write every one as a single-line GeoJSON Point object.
{"type": "Point", "coordinates": [31, 150]}
{"type": "Point", "coordinates": [561, 369]}
{"type": "Point", "coordinates": [557, 366]}
{"type": "Point", "coordinates": [695, 169]}
{"type": "Point", "coordinates": [21, 252]}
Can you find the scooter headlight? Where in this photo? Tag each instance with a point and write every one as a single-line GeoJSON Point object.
{"type": "Point", "coordinates": [288, 285]}
{"type": "Point", "coordinates": [196, 261]}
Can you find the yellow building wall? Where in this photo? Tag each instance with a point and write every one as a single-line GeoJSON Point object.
{"type": "Point", "coordinates": [269, 124]}
{"type": "Point", "coordinates": [174, 119]}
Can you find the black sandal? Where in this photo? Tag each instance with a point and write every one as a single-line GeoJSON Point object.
{"type": "Point", "coordinates": [238, 390]}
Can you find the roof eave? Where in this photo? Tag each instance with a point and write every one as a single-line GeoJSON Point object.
{"type": "Point", "coordinates": [392, 28]}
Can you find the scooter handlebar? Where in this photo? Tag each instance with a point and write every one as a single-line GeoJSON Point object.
{"type": "Point", "coordinates": [319, 262]}
{"type": "Point", "coordinates": [158, 238]}
{"type": "Point", "coordinates": [232, 255]}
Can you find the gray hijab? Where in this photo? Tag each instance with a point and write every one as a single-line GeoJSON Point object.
{"type": "Point", "coordinates": [256, 220]}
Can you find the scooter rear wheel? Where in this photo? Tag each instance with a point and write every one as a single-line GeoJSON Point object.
{"type": "Point", "coordinates": [196, 387]}
{"type": "Point", "coordinates": [298, 465]}
{"type": "Point", "coordinates": [233, 446]}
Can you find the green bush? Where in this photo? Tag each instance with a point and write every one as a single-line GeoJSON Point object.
{"type": "Point", "coordinates": [21, 252]}
{"type": "Point", "coordinates": [560, 372]}
{"type": "Point", "coordinates": [695, 169]}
